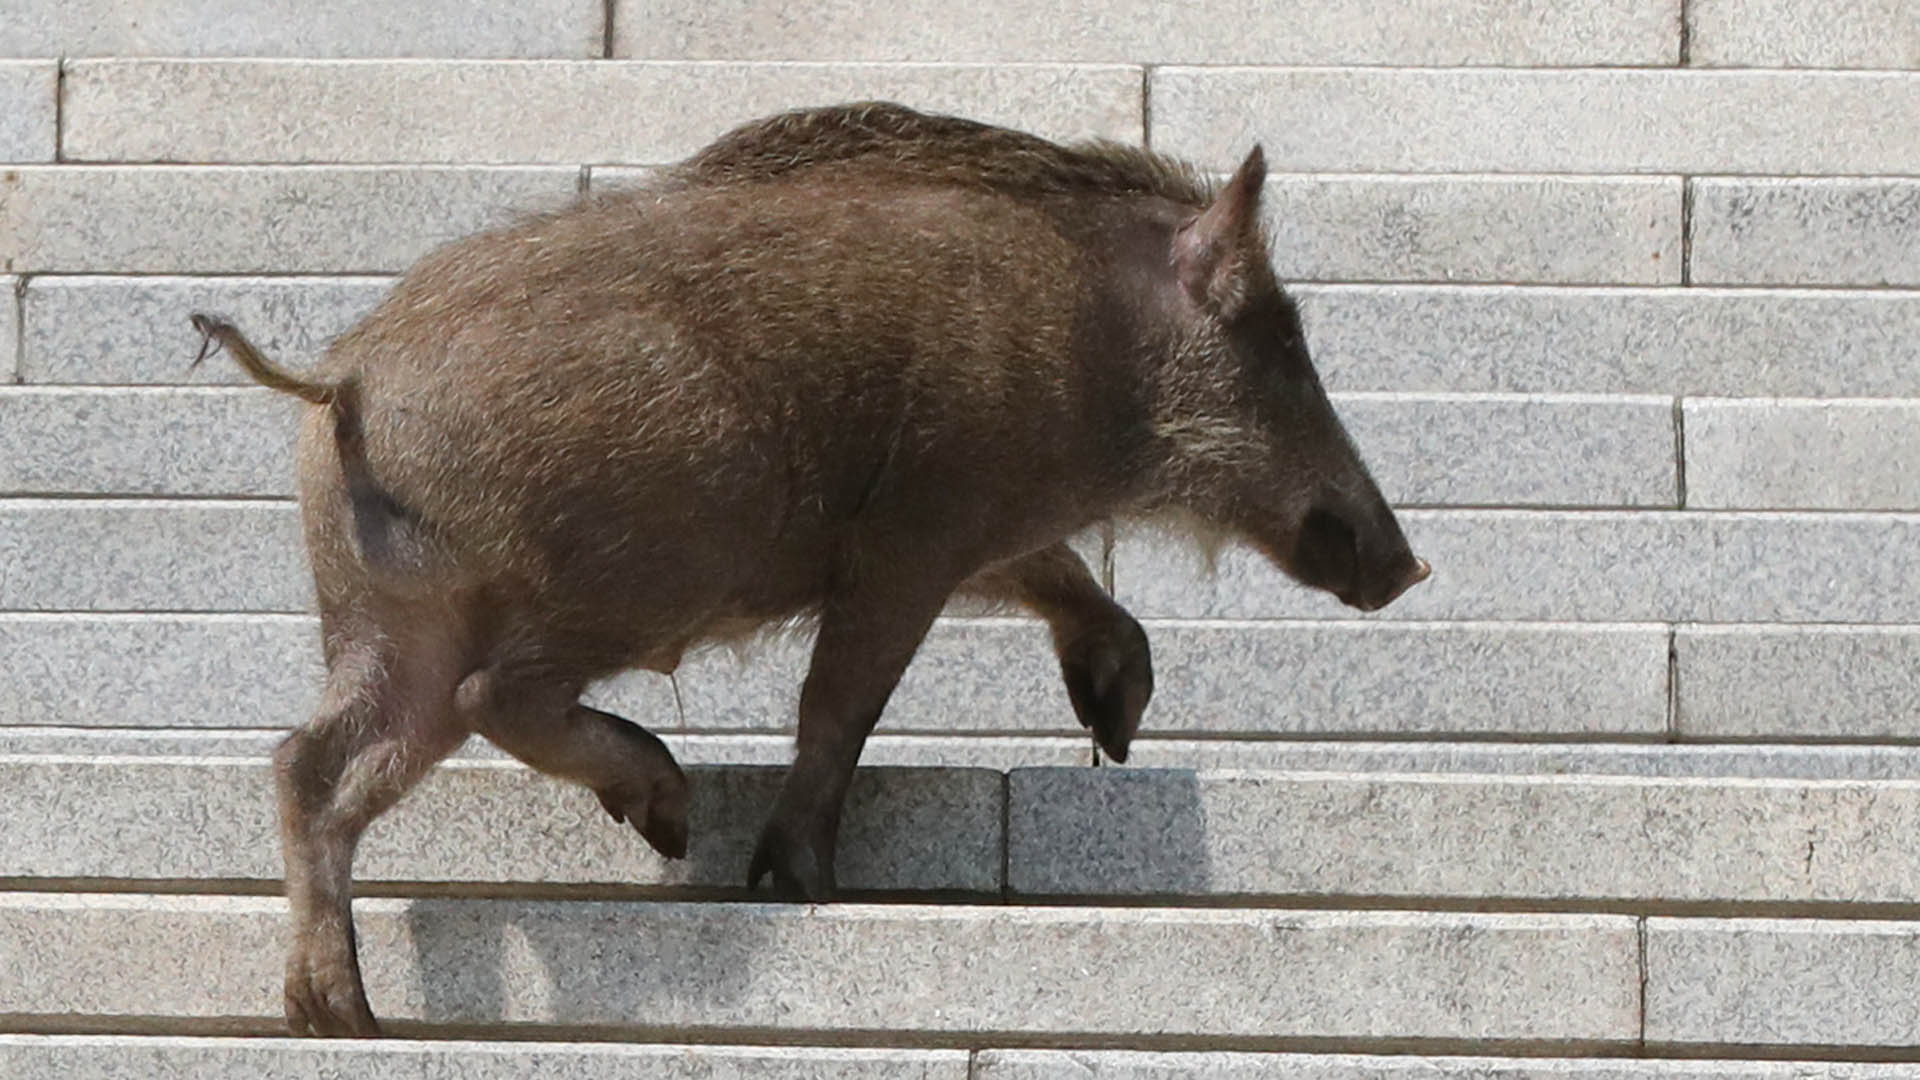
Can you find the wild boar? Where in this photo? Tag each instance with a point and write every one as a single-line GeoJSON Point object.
{"type": "Point", "coordinates": [842, 365]}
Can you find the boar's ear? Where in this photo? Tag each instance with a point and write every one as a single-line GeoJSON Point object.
{"type": "Point", "coordinates": [1213, 253]}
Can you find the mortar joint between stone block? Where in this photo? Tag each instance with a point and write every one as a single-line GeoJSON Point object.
{"type": "Point", "coordinates": [1686, 33]}
{"type": "Point", "coordinates": [1680, 452]}
{"type": "Point", "coordinates": [606, 28]}
{"type": "Point", "coordinates": [1673, 684]}
{"type": "Point", "coordinates": [18, 299]}
{"type": "Point", "coordinates": [60, 110]}
{"type": "Point", "coordinates": [1146, 106]}
{"type": "Point", "coordinates": [1640, 935]}
{"type": "Point", "coordinates": [1686, 231]}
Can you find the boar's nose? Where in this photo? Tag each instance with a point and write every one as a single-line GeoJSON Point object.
{"type": "Point", "coordinates": [1422, 570]}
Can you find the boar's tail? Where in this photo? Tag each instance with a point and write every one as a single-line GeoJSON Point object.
{"type": "Point", "coordinates": [391, 535]}
{"type": "Point", "coordinates": [223, 334]}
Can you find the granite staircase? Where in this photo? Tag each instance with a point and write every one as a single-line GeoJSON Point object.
{"type": "Point", "coordinates": [1620, 298]}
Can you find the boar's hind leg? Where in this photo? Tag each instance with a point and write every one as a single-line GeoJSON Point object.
{"type": "Point", "coordinates": [867, 637]}
{"type": "Point", "coordinates": [628, 767]}
{"type": "Point", "coordinates": [1103, 651]}
{"type": "Point", "coordinates": [384, 721]}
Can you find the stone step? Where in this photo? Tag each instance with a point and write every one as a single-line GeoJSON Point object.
{"type": "Point", "coordinates": [328, 219]}
{"type": "Point", "coordinates": [1204, 32]}
{"type": "Point", "coordinates": [481, 822]}
{"type": "Point", "coordinates": [1506, 339]}
{"type": "Point", "coordinates": [1587, 842]}
{"type": "Point", "coordinates": [509, 112]}
{"type": "Point", "coordinates": [226, 555]}
{"type": "Point", "coordinates": [101, 1057]}
{"type": "Point", "coordinates": [977, 675]}
{"type": "Point", "coordinates": [1753, 982]}
{"type": "Point", "coordinates": [997, 752]}
{"type": "Point", "coordinates": [367, 219]}
{"type": "Point", "coordinates": [1603, 566]}
{"type": "Point", "coordinates": [1735, 343]}
{"type": "Point", "coordinates": [1431, 449]}
{"type": "Point", "coordinates": [539, 28]}
{"type": "Point", "coordinates": [882, 972]}
{"type": "Point", "coordinates": [1852, 455]}
{"type": "Point", "coordinates": [28, 107]}
{"type": "Point", "coordinates": [1794, 761]}
{"type": "Point", "coordinates": [1136, 1065]}
{"type": "Point", "coordinates": [1561, 842]}
{"type": "Point", "coordinates": [134, 331]}
{"type": "Point", "coordinates": [106, 1057]}
{"type": "Point", "coordinates": [1844, 231]}
{"type": "Point", "coordinates": [1142, 976]}
{"type": "Point", "coordinates": [1215, 678]}
{"type": "Point", "coordinates": [1004, 753]}
{"type": "Point", "coordinates": [1664, 120]}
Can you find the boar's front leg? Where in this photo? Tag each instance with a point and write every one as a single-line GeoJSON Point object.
{"type": "Point", "coordinates": [1103, 652]}
{"type": "Point", "coordinates": [626, 766]}
{"type": "Point", "coordinates": [868, 635]}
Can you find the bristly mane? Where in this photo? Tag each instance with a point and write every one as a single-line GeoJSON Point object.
{"type": "Point", "coordinates": [962, 151]}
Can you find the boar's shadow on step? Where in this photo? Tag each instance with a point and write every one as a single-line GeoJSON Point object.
{"type": "Point", "coordinates": [1117, 833]}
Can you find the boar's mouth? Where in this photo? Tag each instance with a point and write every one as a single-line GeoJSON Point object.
{"type": "Point", "coordinates": [1421, 571]}
{"type": "Point", "coordinates": [1362, 569]}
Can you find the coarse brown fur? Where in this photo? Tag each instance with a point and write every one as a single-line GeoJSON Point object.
{"type": "Point", "coordinates": [841, 365]}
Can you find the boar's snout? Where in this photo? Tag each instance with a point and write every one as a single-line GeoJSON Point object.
{"type": "Point", "coordinates": [1420, 571]}
{"type": "Point", "coordinates": [1361, 558]}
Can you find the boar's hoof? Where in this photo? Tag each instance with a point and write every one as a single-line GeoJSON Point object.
{"type": "Point", "coordinates": [1109, 675]}
{"type": "Point", "coordinates": [328, 1003]}
{"type": "Point", "coordinates": [798, 871]}
{"type": "Point", "coordinates": [660, 818]}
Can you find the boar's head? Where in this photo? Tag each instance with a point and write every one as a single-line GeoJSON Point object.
{"type": "Point", "coordinates": [1253, 445]}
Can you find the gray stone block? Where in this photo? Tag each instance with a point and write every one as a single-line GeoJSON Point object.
{"type": "Point", "coordinates": [1398, 32]}
{"type": "Point", "coordinates": [1585, 841]}
{"type": "Point", "coordinates": [843, 968]}
{"type": "Point", "coordinates": [1135, 1065]}
{"type": "Point", "coordinates": [1728, 342]}
{"type": "Point", "coordinates": [1783, 982]}
{"type": "Point", "coordinates": [1798, 682]}
{"type": "Point", "coordinates": [253, 220]}
{"type": "Point", "coordinates": [28, 93]}
{"type": "Point", "coordinates": [134, 330]}
{"type": "Point", "coordinates": [481, 822]}
{"type": "Point", "coordinates": [140, 442]}
{"type": "Point", "coordinates": [1424, 679]}
{"type": "Point", "coordinates": [1813, 455]}
{"type": "Point", "coordinates": [1567, 230]}
{"type": "Point", "coordinates": [1598, 566]}
{"type": "Point", "coordinates": [1804, 34]}
{"type": "Point", "coordinates": [45, 1057]}
{"type": "Point", "coordinates": [1759, 761]}
{"type": "Point", "coordinates": [538, 28]}
{"type": "Point", "coordinates": [172, 671]}
{"type": "Point", "coordinates": [1534, 450]}
{"type": "Point", "coordinates": [1806, 232]}
{"type": "Point", "coordinates": [1509, 120]}
{"type": "Point", "coordinates": [174, 555]}
{"type": "Point", "coordinates": [509, 112]}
